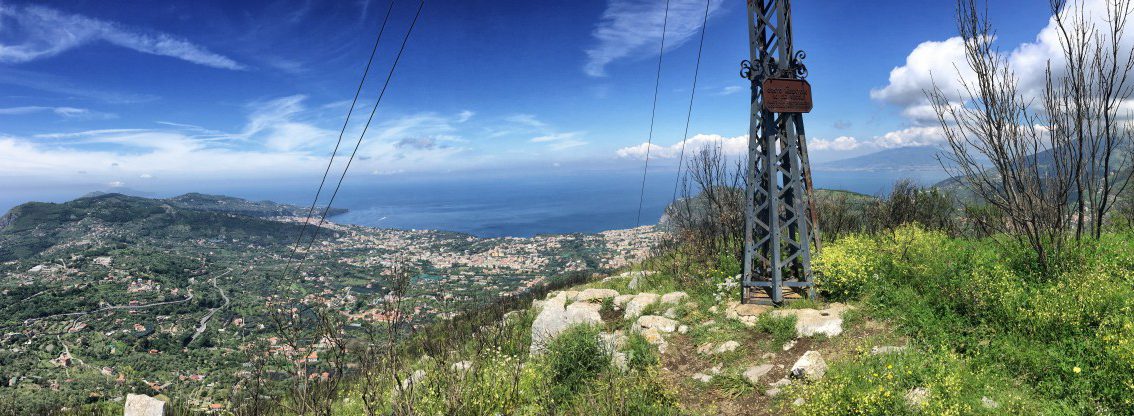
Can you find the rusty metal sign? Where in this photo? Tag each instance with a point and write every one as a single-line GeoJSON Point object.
{"type": "Point", "coordinates": [787, 95]}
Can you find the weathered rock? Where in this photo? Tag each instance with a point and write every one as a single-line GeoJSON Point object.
{"type": "Point", "coordinates": [917, 397]}
{"type": "Point", "coordinates": [612, 342]}
{"type": "Point", "coordinates": [886, 349]}
{"type": "Point", "coordinates": [683, 329]}
{"type": "Point", "coordinates": [727, 346]}
{"type": "Point", "coordinates": [705, 349]}
{"type": "Point", "coordinates": [674, 297]}
{"type": "Point", "coordinates": [754, 373]}
{"type": "Point", "coordinates": [809, 367]}
{"type": "Point", "coordinates": [798, 402]}
{"type": "Point", "coordinates": [414, 378]}
{"type": "Point", "coordinates": [461, 366]}
{"type": "Point", "coordinates": [772, 392]}
{"type": "Point", "coordinates": [670, 313]}
{"type": "Point", "coordinates": [620, 300]}
{"type": "Point", "coordinates": [142, 405]}
{"type": "Point", "coordinates": [660, 323]}
{"type": "Point", "coordinates": [788, 345]}
{"type": "Point", "coordinates": [746, 313]}
{"type": "Point", "coordinates": [635, 306]}
{"type": "Point", "coordinates": [988, 403]}
{"type": "Point", "coordinates": [591, 294]}
{"type": "Point", "coordinates": [810, 322]}
{"type": "Point", "coordinates": [702, 377]}
{"type": "Point", "coordinates": [653, 337]}
{"type": "Point", "coordinates": [554, 318]}
{"type": "Point", "coordinates": [619, 361]}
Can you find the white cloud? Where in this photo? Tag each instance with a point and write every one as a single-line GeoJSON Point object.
{"type": "Point", "coordinates": [41, 32]}
{"type": "Point", "coordinates": [913, 136]}
{"type": "Point", "coordinates": [632, 29]}
{"type": "Point", "coordinates": [945, 63]}
{"type": "Point", "coordinates": [65, 112]}
{"type": "Point", "coordinates": [561, 141]}
{"type": "Point", "coordinates": [730, 146]}
{"type": "Point", "coordinates": [839, 143]}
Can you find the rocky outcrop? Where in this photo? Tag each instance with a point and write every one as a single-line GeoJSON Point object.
{"type": "Point", "coordinates": [660, 323]}
{"type": "Point", "coordinates": [556, 316]}
{"type": "Point", "coordinates": [809, 367]}
{"type": "Point", "coordinates": [811, 322]}
{"type": "Point", "coordinates": [592, 294]}
{"type": "Point", "coordinates": [142, 405]}
{"type": "Point", "coordinates": [746, 313]}
{"type": "Point", "coordinates": [674, 297]}
{"type": "Point", "coordinates": [638, 304]}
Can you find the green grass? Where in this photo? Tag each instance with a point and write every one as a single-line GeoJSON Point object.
{"type": "Point", "coordinates": [1063, 342]}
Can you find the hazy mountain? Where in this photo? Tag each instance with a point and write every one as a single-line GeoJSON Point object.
{"type": "Point", "coordinates": [897, 159]}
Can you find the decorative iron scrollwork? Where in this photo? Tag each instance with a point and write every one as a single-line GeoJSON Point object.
{"type": "Point", "coordinates": [797, 65]}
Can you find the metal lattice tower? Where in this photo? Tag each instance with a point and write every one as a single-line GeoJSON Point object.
{"type": "Point", "coordinates": [778, 221]}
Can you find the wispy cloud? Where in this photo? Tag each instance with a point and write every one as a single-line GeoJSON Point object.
{"type": "Point", "coordinates": [632, 29]}
{"type": "Point", "coordinates": [561, 141]}
{"type": "Point", "coordinates": [36, 32]}
{"type": "Point", "coordinates": [65, 112]}
{"type": "Point", "coordinates": [731, 146]}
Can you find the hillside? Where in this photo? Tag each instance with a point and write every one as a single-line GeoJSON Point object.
{"type": "Point", "coordinates": [910, 158]}
{"type": "Point", "coordinates": [111, 294]}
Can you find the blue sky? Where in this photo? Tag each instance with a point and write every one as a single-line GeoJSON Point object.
{"type": "Point", "coordinates": [141, 94]}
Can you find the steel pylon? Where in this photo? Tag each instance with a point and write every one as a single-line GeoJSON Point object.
{"type": "Point", "coordinates": [778, 218]}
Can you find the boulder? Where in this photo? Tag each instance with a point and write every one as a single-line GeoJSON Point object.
{"type": "Point", "coordinates": [612, 342]}
{"type": "Point", "coordinates": [810, 322]}
{"type": "Point", "coordinates": [639, 303]}
{"type": "Point", "coordinates": [674, 297]}
{"type": "Point", "coordinates": [595, 294]}
{"type": "Point", "coordinates": [746, 313]}
{"type": "Point", "coordinates": [653, 337]}
{"type": "Point", "coordinates": [886, 349]}
{"type": "Point", "coordinates": [917, 397]}
{"type": "Point", "coordinates": [620, 300]}
{"type": "Point", "coordinates": [660, 323]}
{"type": "Point", "coordinates": [988, 403]}
{"type": "Point", "coordinates": [142, 405]}
{"type": "Point", "coordinates": [809, 367]}
{"type": "Point", "coordinates": [754, 373]}
{"type": "Point", "coordinates": [619, 361]}
{"type": "Point", "coordinates": [554, 318]}
{"type": "Point", "coordinates": [727, 346]}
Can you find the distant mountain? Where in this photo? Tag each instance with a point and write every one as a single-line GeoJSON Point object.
{"type": "Point", "coordinates": [259, 209]}
{"type": "Point", "coordinates": [898, 159]}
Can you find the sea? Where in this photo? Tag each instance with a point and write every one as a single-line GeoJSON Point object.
{"type": "Point", "coordinates": [498, 205]}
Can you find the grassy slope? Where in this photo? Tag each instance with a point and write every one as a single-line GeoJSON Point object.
{"type": "Point", "coordinates": [982, 328]}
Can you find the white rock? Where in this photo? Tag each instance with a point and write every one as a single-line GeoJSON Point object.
{"type": "Point", "coordinates": [702, 377]}
{"type": "Point", "coordinates": [142, 405]}
{"type": "Point", "coordinates": [788, 345]}
{"type": "Point", "coordinates": [660, 323]}
{"type": "Point", "coordinates": [988, 403]}
{"type": "Point", "coordinates": [683, 329]}
{"type": "Point", "coordinates": [783, 382]}
{"type": "Point", "coordinates": [746, 313]}
{"type": "Point", "coordinates": [705, 349]}
{"type": "Point", "coordinates": [727, 346]}
{"type": "Point", "coordinates": [414, 378]}
{"type": "Point", "coordinates": [810, 366]}
{"type": "Point", "coordinates": [886, 349]}
{"type": "Point", "coordinates": [620, 300]}
{"type": "Point", "coordinates": [612, 342]}
{"type": "Point", "coordinates": [618, 360]}
{"type": "Point", "coordinates": [798, 402]}
{"type": "Point", "coordinates": [595, 294]}
{"type": "Point", "coordinates": [754, 373]}
{"type": "Point", "coordinates": [917, 397]}
{"type": "Point", "coordinates": [674, 297]}
{"type": "Point", "coordinates": [555, 318]}
{"type": "Point", "coordinates": [461, 366]}
{"type": "Point", "coordinates": [670, 313]}
{"type": "Point", "coordinates": [653, 337]}
{"type": "Point", "coordinates": [811, 322]}
{"type": "Point", "coordinates": [772, 392]}
{"type": "Point", "coordinates": [635, 306]}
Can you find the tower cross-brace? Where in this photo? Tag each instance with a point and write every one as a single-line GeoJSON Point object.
{"type": "Point", "coordinates": [778, 222]}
